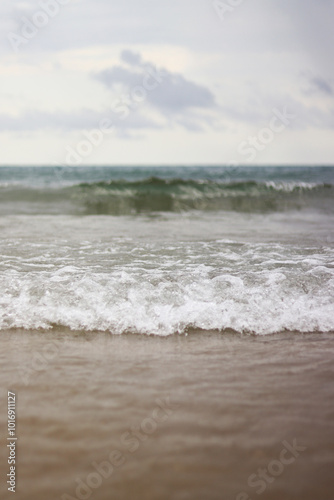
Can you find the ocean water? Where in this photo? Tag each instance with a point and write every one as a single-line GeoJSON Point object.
{"type": "Point", "coordinates": [180, 317]}
{"type": "Point", "coordinates": [167, 250]}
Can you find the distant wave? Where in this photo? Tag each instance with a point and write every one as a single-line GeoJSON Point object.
{"type": "Point", "coordinates": [154, 194]}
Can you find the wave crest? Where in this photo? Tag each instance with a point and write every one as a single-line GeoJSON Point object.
{"type": "Point", "coordinates": [168, 195]}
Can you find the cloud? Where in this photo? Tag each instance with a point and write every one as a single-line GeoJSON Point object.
{"type": "Point", "coordinates": [316, 86]}
{"type": "Point", "coordinates": [131, 57]}
{"type": "Point", "coordinates": [321, 85]}
{"type": "Point", "coordinates": [174, 93]}
{"type": "Point", "coordinates": [310, 113]}
{"type": "Point", "coordinates": [34, 121]}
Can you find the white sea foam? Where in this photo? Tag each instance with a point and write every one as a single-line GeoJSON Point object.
{"type": "Point", "coordinates": [289, 187]}
{"type": "Point", "coordinates": [161, 290]}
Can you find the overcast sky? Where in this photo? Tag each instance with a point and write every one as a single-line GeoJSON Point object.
{"type": "Point", "coordinates": [155, 82]}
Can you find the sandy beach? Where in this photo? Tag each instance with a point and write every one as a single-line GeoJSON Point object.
{"type": "Point", "coordinates": [182, 417]}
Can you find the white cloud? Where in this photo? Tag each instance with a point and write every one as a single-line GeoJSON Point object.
{"type": "Point", "coordinates": [174, 93]}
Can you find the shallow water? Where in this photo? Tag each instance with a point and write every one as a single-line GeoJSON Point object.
{"type": "Point", "coordinates": [168, 273]}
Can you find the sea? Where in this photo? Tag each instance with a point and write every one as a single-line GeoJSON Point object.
{"type": "Point", "coordinates": [166, 250]}
{"type": "Point", "coordinates": [167, 333]}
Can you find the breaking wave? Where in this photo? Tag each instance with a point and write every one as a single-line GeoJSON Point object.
{"type": "Point", "coordinates": [120, 197]}
{"type": "Point", "coordinates": [161, 291]}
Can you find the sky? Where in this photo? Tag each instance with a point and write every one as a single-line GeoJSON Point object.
{"type": "Point", "coordinates": [150, 82]}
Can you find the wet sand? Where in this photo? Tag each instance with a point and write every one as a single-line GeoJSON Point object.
{"type": "Point", "coordinates": [204, 416]}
